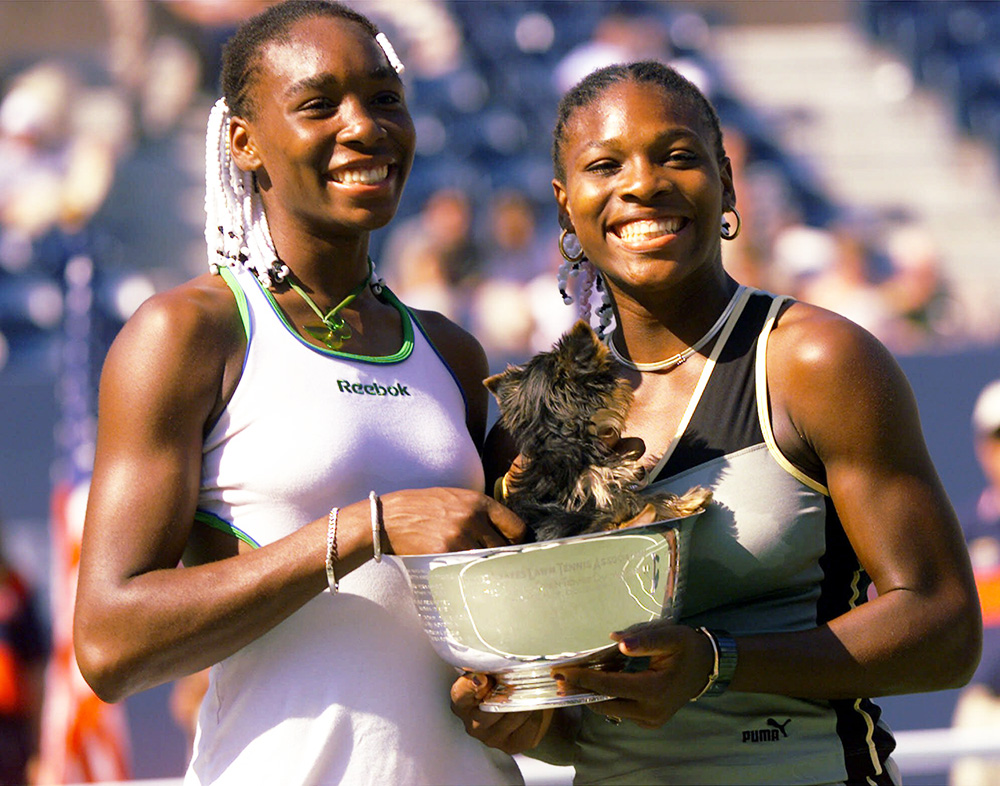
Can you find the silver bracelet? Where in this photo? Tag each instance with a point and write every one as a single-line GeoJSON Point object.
{"type": "Point", "coordinates": [376, 509]}
{"type": "Point", "coordinates": [715, 665]}
{"type": "Point", "coordinates": [724, 667]}
{"type": "Point", "coordinates": [331, 550]}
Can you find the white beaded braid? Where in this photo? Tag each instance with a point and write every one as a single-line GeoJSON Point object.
{"type": "Point", "coordinates": [236, 230]}
{"type": "Point", "coordinates": [235, 227]}
{"type": "Point", "coordinates": [390, 54]}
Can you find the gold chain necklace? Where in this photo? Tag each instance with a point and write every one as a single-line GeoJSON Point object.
{"type": "Point", "coordinates": [674, 361]}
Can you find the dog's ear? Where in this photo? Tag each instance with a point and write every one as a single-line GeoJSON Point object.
{"type": "Point", "coordinates": [581, 331]}
{"type": "Point", "coordinates": [645, 516]}
{"type": "Point", "coordinates": [497, 382]}
{"type": "Point", "coordinates": [493, 382]}
{"type": "Point", "coordinates": [580, 348]}
{"type": "Point", "coordinates": [578, 340]}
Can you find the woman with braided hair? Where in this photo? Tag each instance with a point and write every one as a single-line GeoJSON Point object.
{"type": "Point", "coordinates": [807, 433]}
{"type": "Point", "coordinates": [276, 426]}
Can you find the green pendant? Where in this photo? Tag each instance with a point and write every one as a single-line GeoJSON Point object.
{"type": "Point", "coordinates": [332, 336]}
{"type": "Point", "coordinates": [335, 330]}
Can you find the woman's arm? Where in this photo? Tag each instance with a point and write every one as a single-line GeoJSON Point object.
{"type": "Point", "coordinates": [850, 404]}
{"type": "Point", "coordinates": [839, 396]}
{"type": "Point", "coordinates": [140, 620]}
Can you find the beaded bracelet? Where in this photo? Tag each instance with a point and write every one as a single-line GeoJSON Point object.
{"type": "Point", "coordinates": [331, 550]}
{"type": "Point", "coordinates": [376, 510]}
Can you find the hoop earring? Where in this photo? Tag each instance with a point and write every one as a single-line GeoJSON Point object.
{"type": "Point", "coordinates": [562, 249]}
{"type": "Point", "coordinates": [726, 234]}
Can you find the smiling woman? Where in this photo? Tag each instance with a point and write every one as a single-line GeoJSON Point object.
{"type": "Point", "coordinates": [328, 90]}
{"type": "Point", "coordinates": [806, 432]}
{"type": "Point", "coordinates": [241, 447]}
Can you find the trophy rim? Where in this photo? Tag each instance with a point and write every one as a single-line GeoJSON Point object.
{"type": "Point", "coordinates": [652, 526]}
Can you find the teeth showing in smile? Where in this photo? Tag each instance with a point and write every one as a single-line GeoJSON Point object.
{"type": "Point", "coordinates": [365, 177]}
{"type": "Point", "coordinates": [638, 231]}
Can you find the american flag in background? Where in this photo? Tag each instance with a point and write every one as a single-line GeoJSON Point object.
{"type": "Point", "coordinates": [84, 740]}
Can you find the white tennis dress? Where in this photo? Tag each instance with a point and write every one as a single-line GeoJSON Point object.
{"type": "Point", "coordinates": [347, 689]}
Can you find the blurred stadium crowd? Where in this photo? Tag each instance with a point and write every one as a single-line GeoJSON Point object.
{"type": "Point", "coordinates": [475, 236]}
{"type": "Point", "coordinates": [81, 246]}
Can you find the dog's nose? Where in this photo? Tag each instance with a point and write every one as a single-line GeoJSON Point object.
{"type": "Point", "coordinates": [630, 447]}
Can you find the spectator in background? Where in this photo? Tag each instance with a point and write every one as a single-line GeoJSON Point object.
{"type": "Point", "coordinates": [746, 258]}
{"type": "Point", "coordinates": [978, 706]}
{"type": "Point", "coordinates": [23, 650]}
{"type": "Point", "coordinates": [885, 279]}
{"type": "Point", "coordinates": [186, 695]}
{"type": "Point", "coordinates": [516, 311]}
{"type": "Point", "coordinates": [848, 287]}
{"type": "Point", "coordinates": [618, 38]}
{"type": "Point", "coordinates": [431, 259]}
{"type": "Point", "coordinates": [982, 525]}
{"type": "Point", "coordinates": [162, 53]}
{"type": "Point", "coordinates": [430, 38]}
{"type": "Point", "coordinates": [514, 250]}
{"type": "Point", "coordinates": [916, 287]}
{"type": "Point", "coordinates": [59, 143]}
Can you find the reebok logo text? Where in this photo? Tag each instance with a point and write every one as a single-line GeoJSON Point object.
{"type": "Point", "coordinates": [371, 389]}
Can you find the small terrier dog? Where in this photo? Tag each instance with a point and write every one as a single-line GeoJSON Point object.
{"type": "Point", "coordinates": [565, 410]}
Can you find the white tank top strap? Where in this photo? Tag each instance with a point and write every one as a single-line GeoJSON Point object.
{"type": "Point", "coordinates": [763, 410]}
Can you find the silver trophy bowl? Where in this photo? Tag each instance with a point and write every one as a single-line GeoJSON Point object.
{"type": "Point", "coordinates": [515, 612]}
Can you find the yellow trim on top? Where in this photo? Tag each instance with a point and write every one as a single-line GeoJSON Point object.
{"type": "Point", "coordinates": [869, 722]}
{"type": "Point", "coordinates": [763, 412]}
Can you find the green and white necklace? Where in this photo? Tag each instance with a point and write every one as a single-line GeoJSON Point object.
{"type": "Point", "coordinates": [335, 330]}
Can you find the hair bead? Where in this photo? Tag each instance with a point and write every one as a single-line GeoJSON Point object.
{"type": "Point", "coordinates": [390, 54]}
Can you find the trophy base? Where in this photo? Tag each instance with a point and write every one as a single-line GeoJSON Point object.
{"type": "Point", "coordinates": [532, 687]}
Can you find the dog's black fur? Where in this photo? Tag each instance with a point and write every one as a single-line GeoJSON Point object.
{"type": "Point", "coordinates": [565, 410]}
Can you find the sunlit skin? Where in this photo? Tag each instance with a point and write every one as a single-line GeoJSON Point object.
{"type": "Point", "coordinates": [841, 410]}
{"type": "Point", "coordinates": [329, 112]}
{"type": "Point", "coordinates": [644, 193]}
{"type": "Point", "coordinates": [330, 141]}
{"type": "Point", "coordinates": [336, 108]}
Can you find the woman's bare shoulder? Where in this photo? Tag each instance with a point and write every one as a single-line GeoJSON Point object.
{"type": "Point", "coordinates": [187, 342]}
{"type": "Point", "coordinates": [810, 339]}
{"type": "Point", "coordinates": [201, 313]}
{"type": "Point", "coordinates": [835, 380]}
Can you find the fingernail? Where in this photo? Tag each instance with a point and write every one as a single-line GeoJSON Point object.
{"type": "Point", "coordinates": [559, 677]}
{"type": "Point", "coordinates": [629, 642]}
